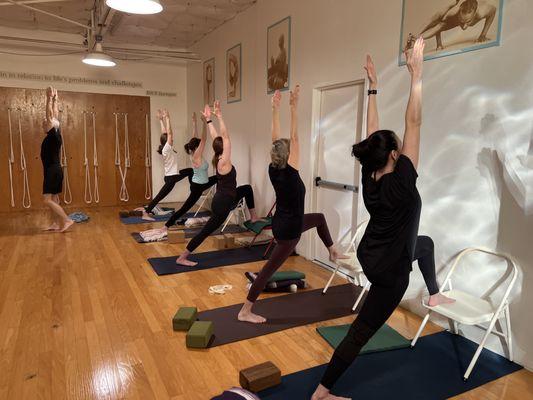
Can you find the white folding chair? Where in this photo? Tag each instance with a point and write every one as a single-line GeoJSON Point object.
{"type": "Point", "coordinates": [472, 310]}
{"type": "Point", "coordinates": [352, 264]}
{"type": "Point", "coordinates": [206, 196]}
{"type": "Point", "coordinates": [239, 209]}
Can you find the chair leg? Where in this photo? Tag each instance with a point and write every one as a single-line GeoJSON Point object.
{"type": "Point", "coordinates": [422, 326]}
{"type": "Point", "coordinates": [227, 221]}
{"type": "Point", "coordinates": [367, 287]}
{"type": "Point", "coordinates": [268, 247]}
{"type": "Point", "coordinates": [480, 347]}
{"type": "Point", "coordinates": [330, 279]}
{"type": "Point", "coordinates": [453, 326]}
{"type": "Point", "coordinates": [509, 332]}
{"type": "Point", "coordinates": [200, 207]}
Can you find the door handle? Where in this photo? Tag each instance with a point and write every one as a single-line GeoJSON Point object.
{"type": "Point", "coordinates": [335, 185]}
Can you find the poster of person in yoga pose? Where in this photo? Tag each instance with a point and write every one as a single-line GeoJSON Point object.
{"type": "Point", "coordinates": [209, 81]}
{"type": "Point", "coordinates": [233, 74]}
{"type": "Point", "coordinates": [278, 55]}
{"type": "Point", "coordinates": [450, 26]}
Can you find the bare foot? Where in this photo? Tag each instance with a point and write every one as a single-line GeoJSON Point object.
{"type": "Point", "coordinates": [335, 255]}
{"type": "Point", "coordinates": [251, 317]}
{"type": "Point", "coordinates": [53, 227]}
{"type": "Point", "coordinates": [67, 225]}
{"type": "Point", "coordinates": [147, 217]}
{"type": "Point", "coordinates": [187, 263]}
{"type": "Point", "coordinates": [321, 393]}
{"type": "Point", "coordinates": [439, 298]}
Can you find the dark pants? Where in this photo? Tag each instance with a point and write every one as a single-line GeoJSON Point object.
{"type": "Point", "coordinates": [170, 182]}
{"type": "Point", "coordinates": [284, 248]}
{"type": "Point", "coordinates": [379, 305]}
{"type": "Point", "coordinates": [197, 190]}
{"type": "Point", "coordinates": [220, 208]}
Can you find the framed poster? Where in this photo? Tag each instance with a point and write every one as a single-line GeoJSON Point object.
{"type": "Point", "coordinates": [279, 55]}
{"type": "Point", "coordinates": [234, 74]}
{"type": "Point", "coordinates": [209, 81]}
{"type": "Point", "coordinates": [450, 26]}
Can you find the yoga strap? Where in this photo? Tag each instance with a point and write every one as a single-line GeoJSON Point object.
{"type": "Point", "coordinates": [26, 197]}
{"type": "Point", "coordinates": [220, 289]}
{"type": "Point", "coordinates": [67, 194]}
{"type": "Point", "coordinates": [95, 161]}
{"type": "Point", "coordinates": [87, 194]}
{"type": "Point", "coordinates": [124, 195]}
{"type": "Point", "coordinates": [147, 161]}
{"type": "Point", "coordinates": [11, 158]}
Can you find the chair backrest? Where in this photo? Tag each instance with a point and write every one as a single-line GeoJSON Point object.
{"type": "Point", "coordinates": [356, 238]}
{"type": "Point", "coordinates": [508, 258]}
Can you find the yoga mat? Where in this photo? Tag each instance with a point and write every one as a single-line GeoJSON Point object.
{"type": "Point", "coordinates": [160, 218]}
{"type": "Point", "coordinates": [432, 370]}
{"type": "Point", "coordinates": [385, 338]}
{"type": "Point", "coordinates": [192, 232]}
{"type": "Point", "coordinates": [283, 312]}
{"type": "Point", "coordinates": [210, 259]}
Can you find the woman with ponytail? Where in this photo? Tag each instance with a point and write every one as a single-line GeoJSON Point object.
{"type": "Point", "coordinates": [391, 242]}
{"type": "Point", "coordinates": [170, 162]}
{"type": "Point", "coordinates": [227, 194]}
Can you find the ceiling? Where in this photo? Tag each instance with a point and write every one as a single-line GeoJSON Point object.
{"type": "Point", "coordinates": [178, 26]}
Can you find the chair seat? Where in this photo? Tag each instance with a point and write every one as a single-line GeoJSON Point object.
{"type": "Point", "coordinates": [351, 263]}
{"type": "Point", "coordinates": [467, 309]}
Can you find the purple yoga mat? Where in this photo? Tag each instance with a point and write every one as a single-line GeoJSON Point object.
{"type": "Point", "coordinates": [282, 312]}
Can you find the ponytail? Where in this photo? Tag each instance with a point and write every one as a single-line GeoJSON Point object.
{"type": "Point", "coordinates": [218, 148]}
{"type": "Point", "coordinates": [191, 146]}
{"type": "Point", "coordinates": [373, 152]}
{"type": "Point", "coordinates": [163, 140]}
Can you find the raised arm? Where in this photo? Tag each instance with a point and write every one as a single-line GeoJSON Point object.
{"type": "Point", "coordinates": [294, 155]}
{"type": "Point", "coordinates": [413, 114]}
{"type": "Point", "coordinates": [207, 115]}
{"type": "Point", "coordinates": [276, 130]}
{"type": "Point", "coordinates": [225, 158]}
{"type": "Point", "coordinates": [168, 127]}
{"type": "Point", "coordinates": [49, 106]}
{"type": "Point", "coordinates": [372, 120]}
{"type": "Point", "coordinates": [194, 125]}
{"type": "Point", "coordinates": [55, 104]}
{"type": "Point", "coordinates": [198, 153]}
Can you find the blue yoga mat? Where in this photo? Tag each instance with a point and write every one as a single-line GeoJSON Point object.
{"type": "Point", "coordinates": [432, 370]}
{"type": "Point", "coordinates": [210, 259]}
{"type": "Point", "coordinates": [160, 218]}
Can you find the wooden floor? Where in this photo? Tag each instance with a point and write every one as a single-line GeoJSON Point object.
{"type": "Point", "coordinates": [83, 316]}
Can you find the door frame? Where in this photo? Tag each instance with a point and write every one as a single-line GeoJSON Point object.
{"type": "Point", "coordinates": [318, 91]}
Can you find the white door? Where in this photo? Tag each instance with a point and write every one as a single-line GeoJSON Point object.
{"type": "Point", "coordinates": [338, 115]}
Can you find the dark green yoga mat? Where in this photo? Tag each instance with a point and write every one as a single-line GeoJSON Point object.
{"type": "Point", "coordinates": [384, 339]}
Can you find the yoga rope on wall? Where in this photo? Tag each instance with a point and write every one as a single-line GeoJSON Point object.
{"type": "Point", "coordinates": [96, 190]}
{"type": "Point", "coordinates": [67, 194]}
{"type": "Point", "coordinates": [26, 197]}
{"type": "Point", "coordinates": [11, 158]}
{"type": "Point", "coordinates": [147, 161]}
{"type": "Point", "coordinates": [88, 197]}
{"type": "Point", "coordinates": [124, 195]}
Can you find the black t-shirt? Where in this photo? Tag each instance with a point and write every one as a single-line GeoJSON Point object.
{"type": "Point", "coordinates": [51, 148]}
{"type": "Point", "coordinates": [290, 198]}
{"type": "Point", "coordinates": [227, 184]}
{"type": "Point", "coordinates": [394, 205]}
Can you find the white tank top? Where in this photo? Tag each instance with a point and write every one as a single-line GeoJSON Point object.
{"type": "Point", "coordinates": [170, 160]}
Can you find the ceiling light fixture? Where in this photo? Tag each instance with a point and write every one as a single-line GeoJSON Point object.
{"type": "Point", "coordinates": [98, 58]}
{"type": "Point", "coordinates": [136, 6]}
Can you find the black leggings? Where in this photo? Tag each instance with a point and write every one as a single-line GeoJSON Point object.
{"type": "Point", "coordinates": [220, 208]}
{"type": "Point", "coordinates": [379, 305]}
{"type": "Point", "coordinates": [197, 190]}
{"type": "Point", "coordinates": [170, 182]}
{"type": "Point", "coordinates": [284, 249]}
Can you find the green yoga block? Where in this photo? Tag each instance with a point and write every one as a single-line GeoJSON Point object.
{"type": "Point", "coordinates": [200, 334]}
{"type": "Point", "coordinates": [286, 275]}
{"type": "Point", "coordinates": [184, 318]}
{"type": "Point", "coordinates": [257, 227]}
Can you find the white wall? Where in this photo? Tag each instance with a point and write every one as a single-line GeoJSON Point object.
{"type": "Point", "coordinates": [476, 122]}
{"type": "Point", "coordinates": [154, 77]}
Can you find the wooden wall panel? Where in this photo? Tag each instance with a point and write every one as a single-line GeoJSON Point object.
{"type": "Point", "coordinates": [31, 102]}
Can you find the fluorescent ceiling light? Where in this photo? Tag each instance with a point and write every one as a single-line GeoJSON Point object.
{"type": "Point", "coordinates": [98, 58]}
{"type": "Point", "coordinates": [136, 6]}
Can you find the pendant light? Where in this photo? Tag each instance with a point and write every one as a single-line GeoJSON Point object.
{"type": "Point", "coordinates": [136, 6]}
{"type": "Point", "coordinates": [98, 58]}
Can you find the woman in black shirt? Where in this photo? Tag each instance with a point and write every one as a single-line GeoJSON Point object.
{"type": "Point", "coordinates": [289, 220]}
{"type": "Point", "coordinates": [390, 243]}
{"type": "Point", "coordinates": [50, 157]}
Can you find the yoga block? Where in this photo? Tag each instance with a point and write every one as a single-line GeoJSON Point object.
{"type": "Point", "coordinates": [184, 318]}
{"type": "Point", "coordinates": [220, 242]}
{"type": "Point", "coordinates": [176, 236]}
{"type": "Point", "coordinates": [136, 213]}
{"type": "Point", "coordinates": [199, 334]}
{"type": "Point", "coordinates": [123, 213]}
{"type": "Point", "coordinates": [260, 377]}
{"type": "Point", "coordinates": [230, 242]}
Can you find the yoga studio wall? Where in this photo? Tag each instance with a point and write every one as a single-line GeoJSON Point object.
{"type": "Point", "coordinates": [76, 118]}
{"type": "Point", "coordinates": [477, 125]}
{"type": "Point", "coordinates": [165, 85]}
